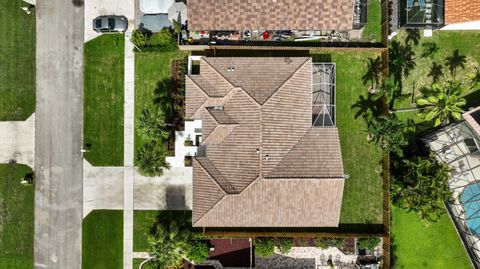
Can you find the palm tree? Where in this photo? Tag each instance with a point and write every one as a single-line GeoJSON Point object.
{"type": "Point", "coordinates": [455, 61]}
{"type": "Point", "coordinates": [413, 36]}
{"type": "Point", "coordinates": [168, 247]}
{"type": "Point", "coordinates": [429, 49]}
{"type": "Point", "coordinates": [152, 124]}
{"type": "Point", "coordinates": [388, 133]}
{"type": "Point", "coordinates": [444, 106]}
{"type": "Point", "coordinates": [423, 187]}
{"type": "Point", "coordinates": [151, 159]}
{"type": "Point", "coordinates": [436, 72]}
{"type": "Point", "coordinates": [374, 70]}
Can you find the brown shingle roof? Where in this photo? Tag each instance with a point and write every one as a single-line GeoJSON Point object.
{"type": "Point", "coordinates": [270, 14]}
{"type": "Point", "coordinates": [458, 11]}
{"type": "Point", "coordinates": [279, 203]}
{"type": "Point", "coordinates": [240, 133]}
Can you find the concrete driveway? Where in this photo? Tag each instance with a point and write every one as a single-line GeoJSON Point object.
{"type": "Point", "coordinates": [18, 141]}
{"type": "Point", "coordinates": [95, 8]}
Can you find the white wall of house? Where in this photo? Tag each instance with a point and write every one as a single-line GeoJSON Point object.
{"type": "Point", "coordinates": [473, 25]}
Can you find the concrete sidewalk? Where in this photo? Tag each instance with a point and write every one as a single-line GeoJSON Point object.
{"type": "Point", "coordinates": [18, 141]}
{"type": "Point", "coordinates": [128, 154]}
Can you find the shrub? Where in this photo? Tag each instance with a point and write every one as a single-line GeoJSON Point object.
{"type": "Point", "coordinates": [284, 245]}
{"type": "Point", "coordinates": [264, 247]}
{"type": "Point", "coordinates": [321, 243]}
{"type": "Point", "coordinates": [302, 242]}
{"type": "Point", "coordinates": [139, 38]}
{"type": "Point", "coordinates": [152, 124]}
{"type": "Point", "coordinates": [151, 159]}
{"type": "Point", "coordinates": [368, 243]}
{"type": "Point", "coordinates": [164, 39]}
{"type": "Point", "coordinates": [198, 252]}
{"type": "Point", "coordinates": [337, 242]}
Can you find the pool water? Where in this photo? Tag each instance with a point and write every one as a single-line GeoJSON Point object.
{"type": "Point", "coordinates": [471, 202]}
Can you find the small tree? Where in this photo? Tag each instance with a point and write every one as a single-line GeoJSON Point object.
{"type": "Point", "coordinates": [264, 247]}
{"type": "Point", "coordinates": [368, 243]}
{"type": "Point", "coordinates": [284, 245]}
{"type": "Point", "coordinates": [151, 159]}
{"type": "Point", "coordinates": [455, 61]}
{"type": "Point", "coordinates": [168, 246]}
{"type": "Point", "coordinates": [139, 38]}
{"type": "Point", "coordinates": [422, 187]}
{"type": "Point", "coordinates": [199, 252]}
{"type": "Point", "coordinates": [152, 124]}
{"type": "Point", "coordinates": [388, 133]}
{"type": "Point", "coordinates": [374, 69]}
{"type": "Point", "coordinates": [445, 105]}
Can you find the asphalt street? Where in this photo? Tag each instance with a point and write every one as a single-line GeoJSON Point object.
{"type": "Point", "coordinates": [59, 134]}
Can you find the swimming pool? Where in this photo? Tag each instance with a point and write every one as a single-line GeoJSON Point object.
{"type": "Point", "coordinates": [471, 203]}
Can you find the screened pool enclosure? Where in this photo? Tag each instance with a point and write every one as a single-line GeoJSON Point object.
{"type": "Point", "coordinates": [458, 145]}
{"type": "Point", "coordinates": [421, 13]}
{"type": "Point", "coordinates": [323, 94]}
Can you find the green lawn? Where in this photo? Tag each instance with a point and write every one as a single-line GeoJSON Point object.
{"type": "Point", "coordinates": [103, 100]}
{"type": "Point", "coordinates": [145, 220]}
{"type": "Point", "coordinates": [425, 245]}
{"type": "Point", "coordinates": [17, 61]}
{"type": "Point", "coordinates": [373, 28]}
{"type": "Point", "coordinates": [363, 195]}
{"type": "Point", "coordinates": [151, 68]}
{"type": "Point", "coordinates": [16, 218]}
{"type": "Point", "coordinates": [467, 42]}
{"type": "Point", "coordinates": [103, 240]}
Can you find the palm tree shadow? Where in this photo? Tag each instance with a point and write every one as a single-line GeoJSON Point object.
{"type": "Point", "coordinates": [365, 107]}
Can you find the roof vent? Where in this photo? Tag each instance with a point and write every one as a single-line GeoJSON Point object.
{"type": "Point", "coordinates": [218, 108]}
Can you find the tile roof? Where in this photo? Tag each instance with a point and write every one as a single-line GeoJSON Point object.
{"type": "Point", "coordinates": [458, 11]}
{"type": "Point", "coordinates": [303, 173]}
{"type": "Point", "coordinates": [270, 14]}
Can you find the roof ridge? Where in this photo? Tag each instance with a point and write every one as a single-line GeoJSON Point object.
{"type": "Point", "coordinates": [281, 85]}
{"type": "Point", "coordinates": [286, 154]}
{"type": "Point", "coordinates": [287, 79]}
{"type": "Point", "coordinates": [226, 186]}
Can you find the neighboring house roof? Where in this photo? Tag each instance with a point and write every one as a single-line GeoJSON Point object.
{"type": "Point", "coordinates": [261, 163]}
{"type": "Point", "coordinates": [459, 11]}
{"type": "Point", "coordinates": [270, 14]}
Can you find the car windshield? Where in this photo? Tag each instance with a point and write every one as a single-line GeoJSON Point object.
{"type": "Point", "coordinates": [98, 23]}
{"type": "Point", "coordinates": [111, 23]}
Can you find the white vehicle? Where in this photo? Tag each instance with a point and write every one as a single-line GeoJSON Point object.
{"type": "Point", "coordinates": [155, 6]}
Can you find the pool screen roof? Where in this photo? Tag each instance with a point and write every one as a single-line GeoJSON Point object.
{"type": "Point", "coordinates": [422, 12]}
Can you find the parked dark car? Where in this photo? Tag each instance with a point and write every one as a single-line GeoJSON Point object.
{"type": "Point", "coordinates": [110, 23]}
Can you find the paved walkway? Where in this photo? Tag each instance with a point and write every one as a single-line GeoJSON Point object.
{"type": "Point", "coordinates": [128, 153]}
{"type": "Point", "coordinates": [18, 141]}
